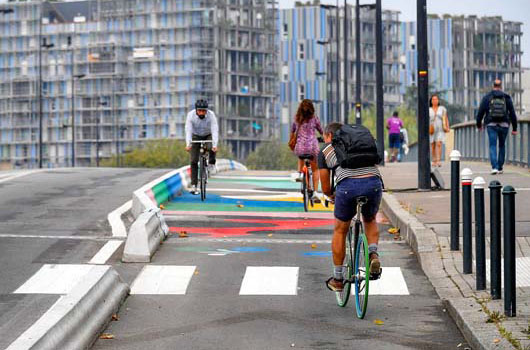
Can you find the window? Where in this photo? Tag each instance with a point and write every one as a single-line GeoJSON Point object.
{"type": "Point", "coordinates": [285, 31]}
{"type": "Point", "coordinates": [301, 92]}
{"type": "Point", "coordinates": [285, 72]}
{"type": "Point", "coordinates": [301, 54]}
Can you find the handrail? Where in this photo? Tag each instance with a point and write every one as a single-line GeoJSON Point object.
{"type": "Point", "coordinates": [473, 144]}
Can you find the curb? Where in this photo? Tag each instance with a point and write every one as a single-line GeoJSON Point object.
{"type": "Point", "coordinates": [76, 319]}
{"type": "Point", "coordinates": [465, 310]}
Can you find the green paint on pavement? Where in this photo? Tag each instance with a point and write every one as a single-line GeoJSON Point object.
{"type": "Point", "coordinates": [282, 184]}
{"type": "Point", "coordinates": [220, 207]}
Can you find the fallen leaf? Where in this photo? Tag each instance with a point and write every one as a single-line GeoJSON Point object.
{"type": "Point", "coordinates": [313, 246]}
{"type": "Point", "coordinates": [161, 206]}
{"type": "Point", "coordinates": [496, 340]}
{"type": "Point", "coordinates": [459, 345]}
{"type": "Point", "coordinates": [183, 234]}
{"type": "Point", "coordinates": [269, 235]}
{"type": "Point", "coordinates": [115, 317]}
{"type": "Point", "coordinates": [196, 272]}
{"type": "Point", "coordinates": [419, 211]}
{"type": "Point", "coordinates": [379, 322]}
{"type": "Point", "coordinates": [106, 336]}
{"type": "Point", "coordinates": [393, 230]}
{"type": "Point", "coordinates": [240, 205]}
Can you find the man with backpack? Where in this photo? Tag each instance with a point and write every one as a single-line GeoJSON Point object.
{"type": "Point", "coordinates": [351, 152]}
{"type": "Point", "coordinates": [497, 111]}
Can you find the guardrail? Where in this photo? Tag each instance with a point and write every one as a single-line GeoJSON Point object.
{"type": "Point", "coordinates": [474, 145]}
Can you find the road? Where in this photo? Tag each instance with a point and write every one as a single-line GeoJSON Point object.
{"type": "Point", "coordinates": [53, 217]}
{"type": "Point", "coordinates": [250, 275]}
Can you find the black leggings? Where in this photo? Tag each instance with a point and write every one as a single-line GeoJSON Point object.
{"type": "Point", "coordinates": [195, 153]}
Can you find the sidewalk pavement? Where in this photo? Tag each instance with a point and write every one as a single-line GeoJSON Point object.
{"type": "Point", "coordinates": [424, 221]}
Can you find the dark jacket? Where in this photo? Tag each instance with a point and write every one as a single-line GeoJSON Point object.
{"type": "Point", "coordinates": [484, 108]}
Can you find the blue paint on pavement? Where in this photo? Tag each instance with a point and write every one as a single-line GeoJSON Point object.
{"type": "Point", "coordinates": [250, 249]}
{"type": "Point", "coordinates": [318, 253]}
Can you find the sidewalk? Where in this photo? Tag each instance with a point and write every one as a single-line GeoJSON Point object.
{"type": "Point", "coordinates": [424, 221]}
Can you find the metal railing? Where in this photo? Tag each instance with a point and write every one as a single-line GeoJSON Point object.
{"type": "Point", "coordinates": [473, 144]}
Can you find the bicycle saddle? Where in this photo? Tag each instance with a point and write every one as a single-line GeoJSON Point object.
{"type": "Point", "coordinates": [306, 156]}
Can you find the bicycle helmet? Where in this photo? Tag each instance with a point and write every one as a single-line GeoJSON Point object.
{"type": "Point", "coordinates": [201, 104]}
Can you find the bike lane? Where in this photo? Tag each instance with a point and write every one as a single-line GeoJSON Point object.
{"type": "Point", "coordinates": [246, 269]}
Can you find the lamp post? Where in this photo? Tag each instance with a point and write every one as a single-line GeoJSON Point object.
{"type": "Point", "coordinates": [358, 69]}
{"type": "Point", "coordinates": [74, 76]}
{"type": "Point", "coordinates": [424, 166]}
{"type": "Point", "coordinates": [379, 80]}
{"type": "Point", "coordinates": [101, 104]}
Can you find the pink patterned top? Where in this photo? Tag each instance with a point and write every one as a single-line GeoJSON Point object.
{"type": "Point", "coordinates": [306, 141]}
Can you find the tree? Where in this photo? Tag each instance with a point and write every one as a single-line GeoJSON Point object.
{"type": "Point", "coordinates": [168, 153]}
{"type": "Point", "coordinates": [272, 155]}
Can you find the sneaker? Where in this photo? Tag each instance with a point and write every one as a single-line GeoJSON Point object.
{"type": "Point", "coordinates": [494, 171]}
{"type": "Point", "coordinates": [500, 171]}
{"type": "Point", "coordinates": [299, 177]}
{"type": "Point", "coordinates": [375, 266]}
{"type": "Point", "coordinates": [316, 197]}
{"type": "Point", "coordinates": [212, 169]}
{"type": "Point", "coordinates": [194, 190]}
{"type": "Point", "coordinates": [335, 285]}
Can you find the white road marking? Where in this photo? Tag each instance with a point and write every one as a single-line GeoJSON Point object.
{"type": "Point", "coordinates": [391, 282]}
{"type": "Point", "coordinates": [522, 270]}
{"type": "Point", "coordinates": [20, 174]}
{"type": "Point", "coordinates": [115, 221]}
{"type": "Point", "coordinates": [156, 279]}
{"type": "Point", "coordinates": [270, 280]}
{"type": "Point", "coordinates": [54, 279]}
{"type": "Point", "coordinates": [105, 252]}
{"type": "Point", "coordinates": [88, 238]}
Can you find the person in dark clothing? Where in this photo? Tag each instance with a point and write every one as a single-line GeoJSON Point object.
{"type": "Point", "coordinates": [496, 112]}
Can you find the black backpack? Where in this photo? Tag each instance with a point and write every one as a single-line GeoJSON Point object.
{"type": "Point", "coordinates": [355, 147]}
{"type": "Point", "coordinates": [497, 109]}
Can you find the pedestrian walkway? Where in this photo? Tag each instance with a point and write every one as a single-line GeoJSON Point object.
{"type": "Point", "coordinates": [424, 219]}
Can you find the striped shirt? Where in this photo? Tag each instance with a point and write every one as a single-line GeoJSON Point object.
{"type": "Point", "coordinates": [328, 160]}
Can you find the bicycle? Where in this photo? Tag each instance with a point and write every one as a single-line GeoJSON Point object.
{"type": "Point", "coordinates": [203, 166]}
{"type": "Point", "coordinates": [357, 265]}
{"type": "Point", "coordinates": [307, 181]}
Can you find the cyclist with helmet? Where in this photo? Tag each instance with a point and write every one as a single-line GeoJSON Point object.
{"type": "Point", "coordinates": [201, 124]}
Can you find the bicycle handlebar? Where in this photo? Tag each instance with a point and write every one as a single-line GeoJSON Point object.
{"type": "Point", "coordinates": [203, 141]}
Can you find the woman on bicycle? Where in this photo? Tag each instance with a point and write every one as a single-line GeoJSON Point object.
{"type": "Point", "coordinates": [304, 126]}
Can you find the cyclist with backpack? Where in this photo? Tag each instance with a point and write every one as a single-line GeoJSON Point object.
{"type": "Point", "coordinates": [497, 111]}
{"type": "Point", "coordinates": [351, 152]}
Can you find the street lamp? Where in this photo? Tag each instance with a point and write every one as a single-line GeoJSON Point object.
{"type": "Point", "coordinates": [337, 75]}
{"type": "Point", "coordinates": [379, 80]}
{"type": "Point", "coordinates": [101, 103]}
{"type": "Point", "coordinates": [42, 44]}
{"type": "Point", "coordinates": [74, 76]}
{"type": "Point", "coordinates": [358, 69]}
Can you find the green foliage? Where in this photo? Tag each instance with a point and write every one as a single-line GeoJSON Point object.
{"type": "Point", "coordinates": [272, 155]}
{"type": "Point", "coordinates": [167, 153]}
{"type": "Point", "coordinates": [408, 116]}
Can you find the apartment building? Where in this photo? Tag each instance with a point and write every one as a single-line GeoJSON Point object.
{"type": "Point", "coordinates": [308, 35]}
{"type": "Point", "coordinates": [120, 72]}
{"type": "Point", "coordinates": [466, 54]}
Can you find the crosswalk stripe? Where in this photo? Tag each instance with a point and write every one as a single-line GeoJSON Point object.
{"type": "Point", "coordinates": [391, 282]}
{"type": "Point", "coordinates": [270, 280]}
{"type": "Point", "coordinates": [54, 279]}
{"type": "Point", "coordinates": [168, 280]}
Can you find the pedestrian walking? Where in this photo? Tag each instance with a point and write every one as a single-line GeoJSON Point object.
{"type": "Point", "coordinates": [404, 139]}
{"type": "Point", "coordinates": [496, 108]}
{"type": "Point", "coordinates": [394, 125]}
{"type": "Point", "coordinates": [438, 127]}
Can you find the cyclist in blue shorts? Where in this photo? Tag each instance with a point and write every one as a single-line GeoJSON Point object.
{"type": "Point", "coordinates": [351, 183]}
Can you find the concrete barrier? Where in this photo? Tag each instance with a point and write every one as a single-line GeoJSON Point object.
{"type": "Point", "coordinates": [76, 319]}
{"type": "Point", "coordinates": [145, 235]}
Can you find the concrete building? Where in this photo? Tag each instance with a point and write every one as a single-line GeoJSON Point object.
{"type": "Point", "coordinates": [308, 35]}
{"type": "Point", "coordinates": [465, 55]}
{"type": "Point", "coordinates": [129, 71]}
{"type": "Point", "coordinates": [526, 92]}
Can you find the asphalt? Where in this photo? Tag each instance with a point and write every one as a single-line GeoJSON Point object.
{"type": "Point", "coordinates": [223, 240]}
{"type": "Point", "coordinates": [51, 217]}
{"type": "Point", "coordinates": [445, 267]}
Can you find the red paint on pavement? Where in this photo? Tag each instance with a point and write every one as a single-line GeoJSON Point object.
{"type": "Point", "coordinates": [280, 225]}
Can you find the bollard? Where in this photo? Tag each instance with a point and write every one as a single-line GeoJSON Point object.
{"type": "Point", "coordinates": [480, 228]}
{"type": "Point", "coordinates": [466, 219]}
{"type": "Point", "coordinates": [495, 238]}
{"type": "Point", "coordinates": [455, 200]}
{"type": "Point", "coordinates": [508, 202]}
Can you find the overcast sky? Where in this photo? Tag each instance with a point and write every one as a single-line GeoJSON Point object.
{"type": "Point", "coordinates": [512, 10]}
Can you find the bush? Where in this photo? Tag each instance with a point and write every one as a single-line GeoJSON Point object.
{"type": "Point", "coordinates": [168, 153]}
{"type": "Point", "coordinates": [272, 155]}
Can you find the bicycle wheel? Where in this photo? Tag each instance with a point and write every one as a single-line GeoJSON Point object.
{"type": "Point", "coordinates": [344, 295]}
{"type": "Point", "coordinates": [362, 274]}
{"type": "Point", "coordinates": [203, 179]}
{"type": "Point", "coordinates": [305, 194]}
